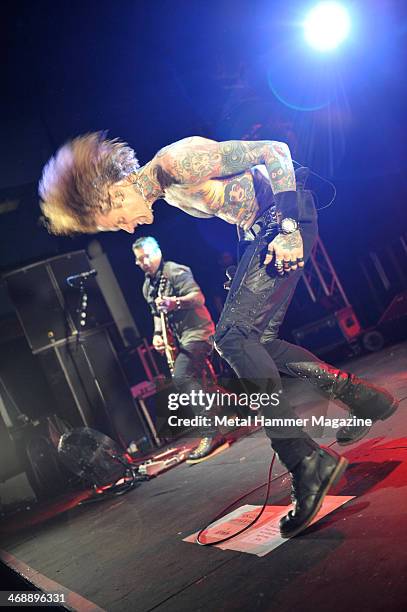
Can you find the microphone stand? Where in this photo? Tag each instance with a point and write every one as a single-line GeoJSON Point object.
{"type": "Point", "coordinates": [77, 281]}
{"type": "Point", "coordinates": [82, 308]}
{"type": "Point", "coordinates": [80, 283]}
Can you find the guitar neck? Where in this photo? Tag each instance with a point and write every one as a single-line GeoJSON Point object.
{"type": "Point", "coordinates": [170, 351]}
{"type": "Point", "coordinates": [164, 328]}
{"type": "Point", "coordinates": [168, 348]}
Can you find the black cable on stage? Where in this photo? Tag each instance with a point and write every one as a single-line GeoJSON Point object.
{"type": "Point", "coordinates": [222, 512]}
{"type": "Point", "coordinates": [114, 491]}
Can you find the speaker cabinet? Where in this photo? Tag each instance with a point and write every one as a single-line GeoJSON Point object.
{"type": "Point", "coordinates": [46, 305]}
{"type": "Point", "coordinates": [90, 387]}
{"type": "Point", "coordinates": [326, 334]}
{"type": "Point", "coordinates": [23, 383]}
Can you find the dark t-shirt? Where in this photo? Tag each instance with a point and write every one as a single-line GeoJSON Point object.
{"type": "Point", "coordinates": [188, 324]}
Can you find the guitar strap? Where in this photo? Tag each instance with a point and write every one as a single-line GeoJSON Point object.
{"type": "Point", "coordinates": [155, 281]}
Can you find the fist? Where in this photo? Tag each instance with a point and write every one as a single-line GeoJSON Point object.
{"type": "Point", "coordinates": [158, 343]}
{"type": "Point", "coordinates": [288, 252]}
{"type": "Point", "coordinates": [166, 304]}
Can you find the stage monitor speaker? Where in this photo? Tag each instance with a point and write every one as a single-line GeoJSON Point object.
{"type": "Point", "coordinates": [90, 387]}
{"type": "Point", "coordinates": [46, 305]}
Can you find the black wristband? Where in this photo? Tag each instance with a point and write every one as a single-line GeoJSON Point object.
{"type": "Point", "coordinates": [286, 205]}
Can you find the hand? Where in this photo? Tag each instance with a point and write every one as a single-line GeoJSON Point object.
{"type": "Point", "coordinates": [166, 304]}
{"type": "Point", "coordinates": [158, 343]}
{"type": "Point", "coordinates": [288, 251]}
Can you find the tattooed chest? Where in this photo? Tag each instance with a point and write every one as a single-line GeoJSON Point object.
{"type": "Point", "coordinates": [232, 198]}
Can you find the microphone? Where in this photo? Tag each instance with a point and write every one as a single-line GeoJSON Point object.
{"type": "Point", "coordinates": [77, 279]}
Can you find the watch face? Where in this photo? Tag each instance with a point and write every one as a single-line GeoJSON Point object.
{"type": "Point", "coordinates": [288, 225]}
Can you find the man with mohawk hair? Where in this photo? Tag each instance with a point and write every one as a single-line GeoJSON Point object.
{"type": "Point", "coordinates": [94, 184]}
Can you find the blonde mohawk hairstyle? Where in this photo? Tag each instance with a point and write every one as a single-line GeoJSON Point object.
{"type": "Point", "coordinates": [73, 186]}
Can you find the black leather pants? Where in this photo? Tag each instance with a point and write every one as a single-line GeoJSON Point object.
{"type": "Point", "coordinates": [246, 334]}
{"type": "Point", "coordinates": [188, 377]}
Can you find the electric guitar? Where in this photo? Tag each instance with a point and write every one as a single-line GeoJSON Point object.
{"type": "Point", "coordinates": [169, 348]}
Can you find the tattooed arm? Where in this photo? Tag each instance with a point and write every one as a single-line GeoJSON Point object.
{"type": "Point", "coordinates": [193, 160]}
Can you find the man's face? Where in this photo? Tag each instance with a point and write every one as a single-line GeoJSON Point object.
{"type": "Point", "coordinates": [148, 258]}
{"type": "Point", "coordinates": [129, 210]}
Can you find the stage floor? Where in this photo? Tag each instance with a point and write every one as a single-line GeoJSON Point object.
{"type": "Point", "coordinates": [127, 553]}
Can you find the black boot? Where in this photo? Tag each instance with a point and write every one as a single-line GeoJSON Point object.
{"type": "Point", "coordinates": [364, 400]}
{"type": "Point", "coordinates": [311, 480]}
{"type": "Point", "coordinates": [207, 448]}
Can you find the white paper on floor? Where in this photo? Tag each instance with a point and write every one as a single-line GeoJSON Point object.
{"type": "Point", "coordinates": [264, 536]}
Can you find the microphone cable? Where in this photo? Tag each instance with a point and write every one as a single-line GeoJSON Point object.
{"type": "Point", "coordinates": [324, 180]}
{"type": "Point", "coordinates": [246, 527]}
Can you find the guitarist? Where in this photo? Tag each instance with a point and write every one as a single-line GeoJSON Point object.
{"type": "Point", "coordinates": [170, 288]}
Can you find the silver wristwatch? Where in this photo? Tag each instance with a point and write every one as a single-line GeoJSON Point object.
{"type": "Point", "coordinates": [288, 225]}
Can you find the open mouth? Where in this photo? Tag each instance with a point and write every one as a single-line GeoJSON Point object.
{"type": "Point", "coordinates": [141, 221]}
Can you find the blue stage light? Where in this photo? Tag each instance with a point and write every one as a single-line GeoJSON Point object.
{"type": "Point", "coordinates": [326, 26]}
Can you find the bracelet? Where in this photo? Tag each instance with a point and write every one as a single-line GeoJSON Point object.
{"type": "Point", "coordinates": [178, 303]}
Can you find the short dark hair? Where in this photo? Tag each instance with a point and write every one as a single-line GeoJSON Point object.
{"type": "Point", "coordinates": [74, 183]}
{"type": "Point", "coordinates": [143, 240]}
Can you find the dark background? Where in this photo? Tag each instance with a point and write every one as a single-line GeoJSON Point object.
{"type": "Point", "coordinates": [152, 72]}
